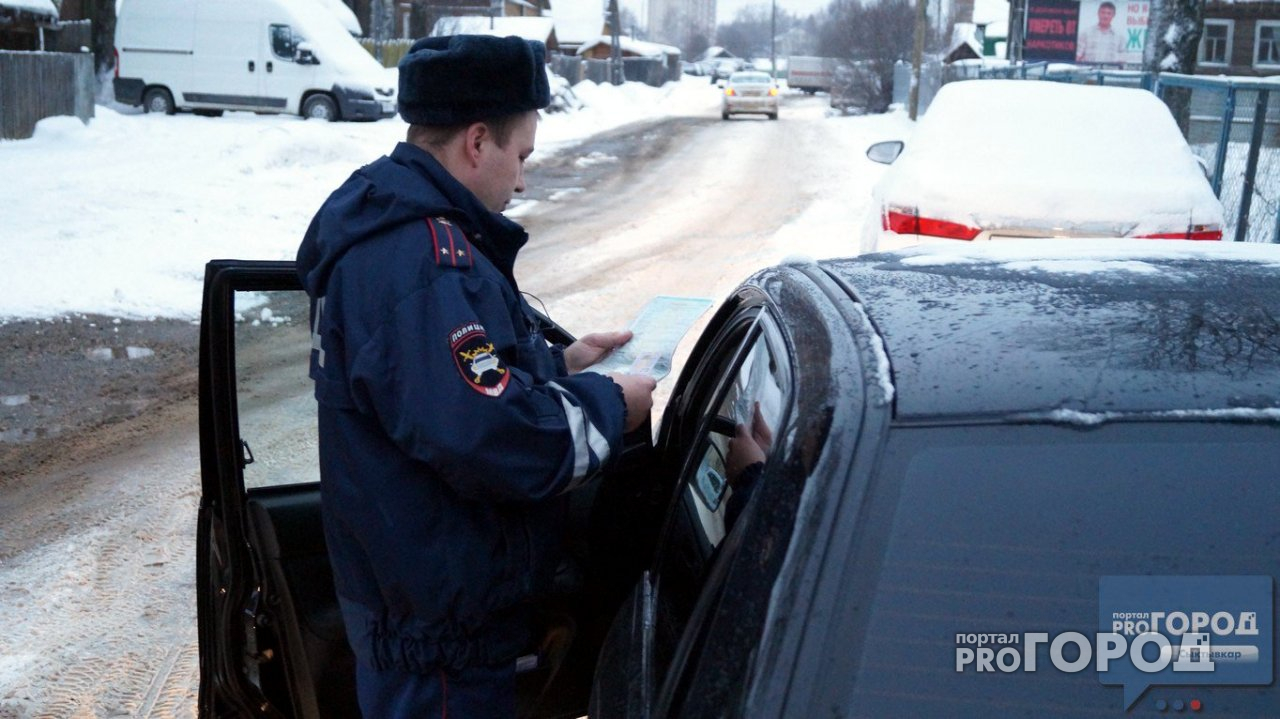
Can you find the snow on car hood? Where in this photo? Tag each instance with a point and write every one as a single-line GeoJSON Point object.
{"type": "Point", "coordinates": [1036, 154]}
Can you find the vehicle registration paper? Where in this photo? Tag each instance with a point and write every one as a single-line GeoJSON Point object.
{"type": "Point", "coordinates": [656, 332]}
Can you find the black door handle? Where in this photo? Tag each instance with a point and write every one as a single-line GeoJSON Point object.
{"type": "Point", "coordinates": [268, 66]}
{"type": "Point", "coordinates": [251, 66]}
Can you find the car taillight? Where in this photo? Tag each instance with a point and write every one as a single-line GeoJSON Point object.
{"type": "Point", "coordinates": [906, 222]}
{"type": "Point", "coordinates": [773, 91]}
{"type": "Point", "coordinates": [1194, 232]}
{"type": "Point", "coordinates": [116, 52]}
{"type": "Point", "coordinates": [728, 91]}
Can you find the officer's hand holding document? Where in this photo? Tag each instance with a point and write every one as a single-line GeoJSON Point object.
{"type": "Point", "coordinates": [656, 332]}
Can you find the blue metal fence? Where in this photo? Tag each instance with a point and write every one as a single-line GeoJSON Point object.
{"type": "Point", "coordinates": [1233, 126]}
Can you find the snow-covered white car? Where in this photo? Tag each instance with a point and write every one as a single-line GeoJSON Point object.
{"type": "Point", "coordinates": [998, 159]}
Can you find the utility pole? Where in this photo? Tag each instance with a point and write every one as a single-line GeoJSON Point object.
{"type": "Point", "coordinates": [616, 76]}
{"type": "Point", "coordinates": [773, 41]}
{"type": "Point", "coordinates": [1017, 30]}
{"type": "Point", "coordinates": [917, 56]}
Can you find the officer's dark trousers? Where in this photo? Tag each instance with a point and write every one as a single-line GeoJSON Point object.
{"type": "Point", "coordinates": [469, 694]}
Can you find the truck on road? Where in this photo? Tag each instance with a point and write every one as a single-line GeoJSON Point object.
{"type": "Point", "coordinates": [811, 74]}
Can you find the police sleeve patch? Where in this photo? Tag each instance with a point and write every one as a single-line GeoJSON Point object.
{"type": "Point", "coordinates": [476, 359]}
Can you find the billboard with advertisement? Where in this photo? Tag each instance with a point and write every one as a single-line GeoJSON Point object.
{"type": "Point", "coordinates": [1112, 32]}
{"type": "Point", "coordinates": [1090, 32]}
{"type": "Point", "coordinates": [1051, 30]}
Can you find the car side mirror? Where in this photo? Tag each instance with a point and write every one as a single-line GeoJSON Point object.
{"type": "Point", "coordinates": [1204, 167]}
{"type": "Point", "coordinates": [885, 152]}
{"type": "Point", "coordinates": [304, 56]}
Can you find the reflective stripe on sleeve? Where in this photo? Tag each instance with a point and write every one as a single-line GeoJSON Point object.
{"type": "Point", "coordinates": [315, 333]}
{"type": "Point", "coordinates": [587, 440]}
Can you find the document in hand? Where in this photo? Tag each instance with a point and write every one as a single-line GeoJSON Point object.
{"type": "Point", "coordinates": [656, 332]}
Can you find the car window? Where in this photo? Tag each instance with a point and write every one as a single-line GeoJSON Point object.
{"type": "Point", "coordinates": [752, 390]}
{"type": "Point", "coordinates": [284, 42]}
{"type": "Point", "coordinates": [274, 394]}
{"type": "Point", "coordinates": [750, 79]}
{"type": "Point", "coordinates": [1008, 529]}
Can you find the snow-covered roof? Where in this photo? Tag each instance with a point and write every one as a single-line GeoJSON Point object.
{"type": "Point", "coordinates": [529, 28]}
{"type": "Point", "coordinates": [962, 34]}
{"type": "Point", "coordinates": [577, 21]}
{"type": "Point", "coordinates": [632, 46]}
{"type": "Point", "coordinates": [35, 7]}
{"type": "Point", "coordinates": [713, 52]}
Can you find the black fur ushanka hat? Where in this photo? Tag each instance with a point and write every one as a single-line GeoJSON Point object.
{"type": "Point", "coordinates": [459, 79]}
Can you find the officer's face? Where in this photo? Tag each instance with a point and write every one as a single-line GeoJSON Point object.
{"type": "Point", "coordinates": [502, 173]}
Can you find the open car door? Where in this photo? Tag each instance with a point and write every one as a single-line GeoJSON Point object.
{"type": "Point", "coordinates": [272, 642]}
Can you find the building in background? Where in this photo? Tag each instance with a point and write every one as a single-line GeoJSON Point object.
{"type": "Point", "coordinates": [578, 22]}
{"type": "Point", "coordinates": [1241, 37]}
{"type": "Point", "coordinates": [24, 22]}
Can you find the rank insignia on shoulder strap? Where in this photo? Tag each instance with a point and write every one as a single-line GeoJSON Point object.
{"type": "Point", "coordinates": [449, 242]}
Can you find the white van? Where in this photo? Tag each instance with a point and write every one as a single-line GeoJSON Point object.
{"type": "Point", "coordinates": [286, 56]}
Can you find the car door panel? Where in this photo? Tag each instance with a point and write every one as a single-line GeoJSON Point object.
{"type": "Point", "coordinates": [272, 642]}
{"type": "Point", "coordinates": [640, 646]}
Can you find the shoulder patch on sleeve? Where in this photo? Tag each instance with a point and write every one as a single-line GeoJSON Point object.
{"type": "Point", "coordinates": [452, 249]}
{"type": "Point", "coordinates": [476, 359]}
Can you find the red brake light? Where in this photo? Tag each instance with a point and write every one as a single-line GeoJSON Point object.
{"type": "Point", "coordinates": [116, 52]}
{"type": "Point", "coordinates": [1194, 232]}
{"type": "Point", "coordinates": [906, 222]}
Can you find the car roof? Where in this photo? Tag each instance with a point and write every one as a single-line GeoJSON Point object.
{"type": "Point", "coordinates": [1016, 153]}
{"type": "Point", "coordinates": [1078, 331]}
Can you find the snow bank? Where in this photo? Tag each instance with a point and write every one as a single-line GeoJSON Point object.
{"type": "Point", "coordinates": [119, 217]}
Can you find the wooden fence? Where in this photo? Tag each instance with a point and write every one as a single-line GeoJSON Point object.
{"type": "Point", "coordinates": [70, 36]}
{"type": "Point", "coordinates": [36, 85]}
{"type": "Point", "coordinates": [388, 52]}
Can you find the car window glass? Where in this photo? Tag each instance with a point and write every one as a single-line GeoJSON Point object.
{"type": "Point", "coordinates": [1007, 530]}
{"type": "Point", "coordinates": [753, 390]}
{"type": "Point", "coordinates": [754, 396]}
{"type": "Point", "coordinates": [284, 42]}
{"type": "Point", "coordinates": [274, 394]}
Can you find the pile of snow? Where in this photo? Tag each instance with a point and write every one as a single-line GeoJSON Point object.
{"type": "Point", "coordinates": [120, 216]}
{"type": "Point", "coordinates": [44, 8]}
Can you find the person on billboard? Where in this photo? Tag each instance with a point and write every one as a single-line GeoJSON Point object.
{"type": "Point", "coordinates": [1101, 44]}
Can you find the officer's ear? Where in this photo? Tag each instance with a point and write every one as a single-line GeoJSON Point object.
{"type": "Point", "coordinates": [475, 137]}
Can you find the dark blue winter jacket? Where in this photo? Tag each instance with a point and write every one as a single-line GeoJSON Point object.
{"type": "Point", "coordinates": [448, 427]}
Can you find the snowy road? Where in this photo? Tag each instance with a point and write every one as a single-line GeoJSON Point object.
{"type": "Point", "coordinates": [97, 565]}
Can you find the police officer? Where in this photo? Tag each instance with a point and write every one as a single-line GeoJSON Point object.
{"type": "Point", "coordinates": [449, 429]}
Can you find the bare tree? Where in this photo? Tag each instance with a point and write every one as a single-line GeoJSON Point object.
{"type": "Point", "coordinates": [748, 35]}
{"type": "Point", "coordinates": [871, 38]}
